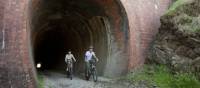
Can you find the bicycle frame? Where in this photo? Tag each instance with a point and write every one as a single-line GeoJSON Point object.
{"type": "Point", "coordinates": [69, 67]}
{"type": "Point", "coordinates": [92, 70]}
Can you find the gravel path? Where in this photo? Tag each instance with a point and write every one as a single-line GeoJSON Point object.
{"type": "Point", "coordinates": [59, 80]}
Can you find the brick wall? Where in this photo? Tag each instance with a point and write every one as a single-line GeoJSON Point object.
{"type": "Point", "coordinates": [143, 16]}
{"type": "Point", "coordinates": [16, 70]}
{"type": "Point", "coordinates": [15, 62]}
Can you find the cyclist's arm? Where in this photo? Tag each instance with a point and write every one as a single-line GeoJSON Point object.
{"type": "Point", "coordinates": [95, 57]}
{"type": "Point", "coordinates": [66, 58]}
{"type": "Point", "coordinates": [73, 58]}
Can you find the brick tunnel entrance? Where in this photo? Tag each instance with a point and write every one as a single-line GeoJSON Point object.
{"type": "Point", "coordinates": [34, 29]}
{"type": "Point", "coordinates": [59, 26]}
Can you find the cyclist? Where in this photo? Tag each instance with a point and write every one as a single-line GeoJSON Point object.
{"type": "Point", "coordinates": [69, 57]}
{"type": "Point", "coordinates": [89, 55]}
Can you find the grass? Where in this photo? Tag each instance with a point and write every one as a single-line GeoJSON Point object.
{"type": "Point", "coordinates": [163, 78]}
{"type": "Point", "coordinates": [40, 81]}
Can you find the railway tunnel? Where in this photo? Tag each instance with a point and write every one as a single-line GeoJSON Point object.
{"type": "Point", "coordinates": [60, 26]}
{"type": "Point", "coordinates": [34, 31]}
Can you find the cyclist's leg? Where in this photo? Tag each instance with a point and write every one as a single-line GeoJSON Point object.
{"type": "Point", "coordinates": [90, 64]}
{"type": "Point", "coordinates": [86, 68]}
{"type": "Point", "coordinates": [67, 67]}
{"type": "Point", "coordinates": [71, 67]}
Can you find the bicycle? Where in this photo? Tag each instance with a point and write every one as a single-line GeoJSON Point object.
{"type": "Point", "coordinates": [69, 69]}
{"type": "Point", "coordinates": [92, 71]}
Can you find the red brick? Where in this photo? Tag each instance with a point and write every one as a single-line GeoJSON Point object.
{"type": "Point", "coordinates": [16, 64]}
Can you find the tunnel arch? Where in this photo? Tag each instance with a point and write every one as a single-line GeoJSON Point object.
{"type": "Point", "coordinates": [57, 26]}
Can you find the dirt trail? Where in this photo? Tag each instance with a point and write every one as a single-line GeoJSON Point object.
{"type": "Point", "coordinates": [59, 80]}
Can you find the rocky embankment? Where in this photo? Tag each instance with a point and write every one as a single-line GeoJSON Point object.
{"type": "Point", "coordinates": [177, 43]}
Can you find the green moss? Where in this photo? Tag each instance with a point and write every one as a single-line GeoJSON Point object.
{"type": "Point", "coordinates": [175, 5]}
{"type": "Point", "coordinates": [195, 25]}
{"type": "Point", "coordinates": [185, 20]}
{"type": "Point", "coordinates": [163, 78]}
{"type": "Point", "coordinates": [188, 24]}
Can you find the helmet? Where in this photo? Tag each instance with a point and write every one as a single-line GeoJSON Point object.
{"type": "Point", "coordinates": [91, 47]}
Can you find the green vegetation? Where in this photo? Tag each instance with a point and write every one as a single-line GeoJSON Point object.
{"type": "Point", "coordinates": [195, 25]}
{"type": "Point", "coordinates": [40, 81]}
{"type": "Point", "coordinates": [161, 77]}
{"type": "Point", "coordinates": [188, 24]}
{"type": "Point", "coordinates": [184, 15]}
{"type": "Point", "coordinates": [175, 5]}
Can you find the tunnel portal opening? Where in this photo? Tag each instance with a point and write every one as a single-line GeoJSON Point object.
{"type": "Point", "coordinates": [60, 26]}
{"type": "Point", "coordinates": [52, 44]}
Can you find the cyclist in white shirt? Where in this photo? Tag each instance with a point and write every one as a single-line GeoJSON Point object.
{"type": "Point", "coordinates": [89, 55]}
{"type": "Point", "coordinates": [70, 57]}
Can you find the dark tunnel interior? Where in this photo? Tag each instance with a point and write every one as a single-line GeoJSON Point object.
{"type": "Point", "coordinates": [62, 25]}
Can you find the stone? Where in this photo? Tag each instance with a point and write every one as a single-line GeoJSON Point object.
{"type": "Point", "coordinates": [177, 44]}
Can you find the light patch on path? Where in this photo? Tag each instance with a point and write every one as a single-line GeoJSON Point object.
{"type": "Point", "coordinates": [59, 80]}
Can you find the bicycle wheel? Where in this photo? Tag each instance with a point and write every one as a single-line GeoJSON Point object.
{"type": "Point", "coordinates": [94, 73]}
{"type": "Point", "coordinates": [70, 73]}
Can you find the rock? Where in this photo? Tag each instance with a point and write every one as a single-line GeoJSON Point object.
{"type": "Point", "coordinates": [197, 50]}
{"type": "Point", "coordinates": [177, 44]}
{"type": "Point", "coordinates": [196, 61]}
{"type": "Point", "coordinates": [196, 65]}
